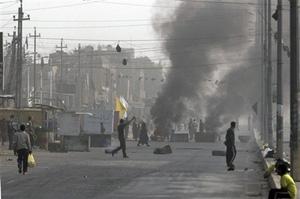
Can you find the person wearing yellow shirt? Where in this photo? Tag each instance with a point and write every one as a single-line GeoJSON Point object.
{"type": "Point", "coordinates": [273, 167]}
{"type": "Point", "coordinates": [288, 187]}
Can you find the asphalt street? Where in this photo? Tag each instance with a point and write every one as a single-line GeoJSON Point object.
{"type": "Point", "coordinates": [189, 172]}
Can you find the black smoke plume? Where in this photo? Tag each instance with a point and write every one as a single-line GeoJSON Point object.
{"type": "Point", "coordinates": [203, 39]}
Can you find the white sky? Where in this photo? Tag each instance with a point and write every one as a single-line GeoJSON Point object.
{"type": "Point", "coordinates": [115, 20]}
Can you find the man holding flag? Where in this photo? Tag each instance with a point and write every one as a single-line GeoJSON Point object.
{"type": "Point", "coordinates": [121, 127]}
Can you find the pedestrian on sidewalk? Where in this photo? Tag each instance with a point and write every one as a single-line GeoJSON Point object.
{"type": "Point", "coordinates": [30, 131]}
{"type": "Point", "coordinates": [11, 129]}
{"type": "Point", "coordinates": [230, 147]}
{"type": "Point", "coordinates": [102, 129]}
{"type": "Point", "coordinates": [135, 130]}
{"type": "Point", "coordinates": [143, 135]}
{"type": "Point", "coordinates": [3, 130]}
{"type": "Point", "coordinates": [22, 148]}
{"type": "Point", "coordinates": [121, 136]}
{"type": "Point", "coordinates": [288, 187]}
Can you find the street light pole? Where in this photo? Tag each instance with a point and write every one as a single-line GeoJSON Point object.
{"type": "Point", "coordinates": [294, 92]}
{"type": "Point", "coordinates": [279, 115]}
{"type": "Point", "coordinates": [269, 78]}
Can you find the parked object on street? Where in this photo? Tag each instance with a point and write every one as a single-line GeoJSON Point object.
{"type": "Point", "coordinates": [244, 138]}
{"type": "Point", "coordinates": [218, 153]}
{"type": "Point", "coordinates": [163, 150]}
{"type": "Point", "coordinates": [205, 137]}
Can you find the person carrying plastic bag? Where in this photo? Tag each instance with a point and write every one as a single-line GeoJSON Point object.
{"type": "Point", "coordinates": [22, 148]}
{"type": "Point", "coordinates": [31, 161]}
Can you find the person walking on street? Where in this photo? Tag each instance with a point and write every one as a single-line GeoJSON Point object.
{"type": "Point", "coordinates": [143, 135]}
{"type": "Point", "coordinates": [230, 147]}
{"type": "Point", "coordinates": [11, 131]}
{"type": "Point", "coordinates": [22, 148]}
{"type": "Point", "coordinates": [121, 135]}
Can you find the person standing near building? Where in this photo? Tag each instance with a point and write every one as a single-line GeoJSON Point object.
{"type": "Point", "coordinates": [22, 147]}
{"type": "Point", "coordinates": [135, 130]}
{"type": "Point", "coordinates": [190, 128]}
{"type": "Point", "coordinates": [30, 131]}
{"type": "Point", "coordinates": [11, 131]}
{"type": "Point", "coordinates": [3, 130]}
{"type": "Point", "coordinates": [143, 135]}
{"type": "Point", "coordinates": [230, 147]}
{"type": "Point", "coordinates": [102, 129]}
{"type": "Point", "coordinates": [121, 135]}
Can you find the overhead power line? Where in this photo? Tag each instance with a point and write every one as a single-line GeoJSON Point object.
{"type": "Point", "coordinates": [230, 3]}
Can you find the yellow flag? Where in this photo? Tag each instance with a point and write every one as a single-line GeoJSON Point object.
{"type": "Point", "coordinates": [120, 108]}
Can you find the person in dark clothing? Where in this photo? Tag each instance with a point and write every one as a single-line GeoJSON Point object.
{"type": "Point", "coordinates": [102, 129]}
{"type": "Point", "coordinates": [121, 135]}
{"type": "Point", "coordinates": [11, 131]}
{"type": "Point", "coordinates": [143, 135]}
{"type": "Point", "coordinates": [30, 131]}
{"type": "Point", "coordinates": [135, 130]}
{"type": "Point", "coordinates": [201, 127]}
{"type": "Point", "coordinates": [22, 148]}
{"type": "Point", "coordinates": [3, 130]}
{"type": "Point", "coordinates": [126, 130]}
{"type": "Point", "coordinates": [230, 147]}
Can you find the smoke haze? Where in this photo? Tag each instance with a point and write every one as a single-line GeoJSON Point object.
{"type": "Point", "coordinates": [214, 64]}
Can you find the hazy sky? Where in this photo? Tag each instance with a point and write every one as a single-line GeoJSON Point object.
{"type": "Point", "coordinates": [86, 19]}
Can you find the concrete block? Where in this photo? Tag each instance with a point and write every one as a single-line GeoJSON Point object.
{"type": "Point", "coordinates": [179, 137]}
{"type": "Point", "coordinates": [76, 143]}
{"type": "Point", "coordinates": [218, 153]}
{"type": "Point", "coordinates": [205, 137]}
{"type": "Point", "coordinates": [102, 140]}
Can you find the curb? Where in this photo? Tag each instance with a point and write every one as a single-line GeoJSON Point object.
{"type": "Point", "coordinates": [274, 180]}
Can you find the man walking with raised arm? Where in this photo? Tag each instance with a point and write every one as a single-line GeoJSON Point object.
{"type": "Point", "coordinates": [121, 136]}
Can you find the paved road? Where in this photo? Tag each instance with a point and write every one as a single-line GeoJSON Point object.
{"type": "Point", "coordinates": [190, 172]}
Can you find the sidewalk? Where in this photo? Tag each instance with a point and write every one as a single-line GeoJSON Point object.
{"type": "Point", "coordinates": [274, 179]}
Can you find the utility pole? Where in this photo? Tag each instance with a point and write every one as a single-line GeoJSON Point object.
{"type": "Point", "coordinates": [20, 20]}
{"type": "Point", "coordinates": [294, 81]}
{"type": "Point", "coordinates": [265, 88]}
{"type": "Point", "coordinates": [269, 78]}
{"type": "Point", "coordinates": [12, 65]}
{"type": "Point", "coordinates": [263, 52]}
{"type": "Point", "coordinates": [79, 76]}
{"type": "Point", "coordinates": [34, 62]}
{"type": "Point", "coordinates": [61, 47]}
{"type": "Point", "coordinates": [279, 113]}
{"type": "Point", "coordinates": [1, 64]}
